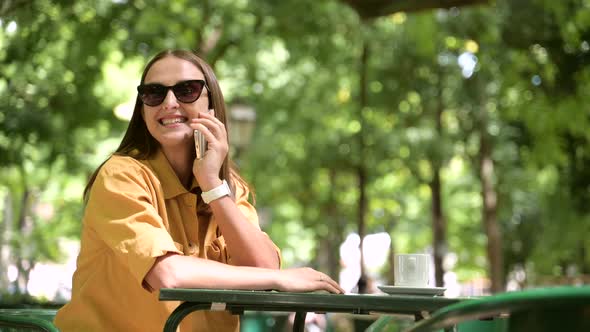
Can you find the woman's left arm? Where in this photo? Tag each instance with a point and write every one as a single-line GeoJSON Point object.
{"type": "Point", "coordinates": [246, 244]}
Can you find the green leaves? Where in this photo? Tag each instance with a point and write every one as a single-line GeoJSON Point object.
{"type": "Point", "coordinates": [65, 67]}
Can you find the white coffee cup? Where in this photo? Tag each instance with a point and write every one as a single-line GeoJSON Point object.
{"type": "Point", "coordinates": [412, 270]}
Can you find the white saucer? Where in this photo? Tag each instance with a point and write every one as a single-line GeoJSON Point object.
{"type": "Point", "coordinates": [402, 290]}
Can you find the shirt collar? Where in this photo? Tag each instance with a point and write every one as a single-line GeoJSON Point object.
{"type": "Point", "coordinates": [171, 185]}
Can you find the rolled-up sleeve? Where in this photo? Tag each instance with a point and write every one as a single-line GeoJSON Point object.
{"type": "Point", "coordinates": [122, 211]}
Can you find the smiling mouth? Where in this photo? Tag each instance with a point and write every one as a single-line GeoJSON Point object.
{"type": "Point", "coordinates": [170, 121]}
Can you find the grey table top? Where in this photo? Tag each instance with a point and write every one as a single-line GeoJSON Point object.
{"type": "Point", "coordinates": [238, 301]}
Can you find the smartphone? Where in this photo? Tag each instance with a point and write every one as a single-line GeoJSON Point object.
{"type": "Point", "coordinates": [200, 141]}
{"type": "Point", "coordinates": [200, 144]}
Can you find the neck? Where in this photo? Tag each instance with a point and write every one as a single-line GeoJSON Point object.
{"type": "Point", "coordinates": [181, 161]}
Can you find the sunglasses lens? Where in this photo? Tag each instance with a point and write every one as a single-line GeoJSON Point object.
{"type": "Point", "coordinates": [152, 94]}
{"type": "Point", "coordinates": [185, 92]}
{"type": "Point", "coordinates": [189, 91]}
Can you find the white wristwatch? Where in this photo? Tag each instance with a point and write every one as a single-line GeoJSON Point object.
{"type": "Point", "coordinates": [217, 192]}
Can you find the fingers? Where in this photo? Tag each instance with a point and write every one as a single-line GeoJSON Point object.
{"type": "Point", "coordinates": [307, 280]}
{"type": "Point", "coordinates": [327, 283]}
{"type": "Point", "coordinates": [215, 133]}
{"type": "Point", "coordinates": [209, 124]}
{"type": "Point", "coordinates": [336, 290]}
{"type": "Point", "coordinates": [206, 169]}
{"type": "Point", "coordinates": [331, 285]}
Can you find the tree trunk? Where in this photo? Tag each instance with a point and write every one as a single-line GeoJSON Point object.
{"type": "Point", "coordinates": [439, 228]}
{"type": "Point", "coordinates": [361, 174]}
{"type": "Point", "coordinates": [8, 6]}
{"type": "Point", "coordinates": [361, 169]}
{"type": "Point", "coordinates": [489, 213]}
{"type": "Point", "coordinates": [584, 268]}
{"type": "Point", "coordinates": [24, 228]}
{"type": "Point", "coordinates": [329, 245]}
{"type": "Point", "coordinates": [18, 249]}
{"type": "Point", "coordinates": [439, 223]}
{"type": "Point", "coordinates": [391, 269]}
{"type": "Point", "coordinates": [5, 236]}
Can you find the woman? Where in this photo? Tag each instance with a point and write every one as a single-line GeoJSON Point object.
{"type": "Point", "coordinates": [158, 217]}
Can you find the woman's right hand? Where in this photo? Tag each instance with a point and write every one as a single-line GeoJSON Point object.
{"type": "Point", "coordinates": [206, 169]}
{"type": "Point", "coordinates": [306, 280]}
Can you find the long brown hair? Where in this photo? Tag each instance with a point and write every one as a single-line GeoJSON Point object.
{"type": "Point", "coordinates": [140, 144]}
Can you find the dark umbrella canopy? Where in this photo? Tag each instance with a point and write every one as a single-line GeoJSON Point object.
{"type": "Point", "coordinates": [368, 9]}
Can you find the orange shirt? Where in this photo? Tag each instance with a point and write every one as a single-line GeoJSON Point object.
{"type": "Point", "coordinates": [137, 211]}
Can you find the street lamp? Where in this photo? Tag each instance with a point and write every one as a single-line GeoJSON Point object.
{"type": "Point", "coordinates": [241, 126]}
{"type": "Point", "coordinates": [242, 119]}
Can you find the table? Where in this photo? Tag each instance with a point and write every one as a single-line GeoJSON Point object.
{"type": "Point", "coordinates": [28, 319]}
{"type": "Point", "coordinates": [238, 301]}
{"type": "Point", "coordinates": [558, 308]}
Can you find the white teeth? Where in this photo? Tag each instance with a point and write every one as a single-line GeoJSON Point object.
{"type": "Point", "coordinates": [172, 120]}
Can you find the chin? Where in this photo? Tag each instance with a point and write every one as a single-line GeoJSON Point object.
{"type": "Point", "coordinates": [177, 138]}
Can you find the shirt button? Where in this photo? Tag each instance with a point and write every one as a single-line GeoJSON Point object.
{"type": "Point", "coordinates": [192, 248]}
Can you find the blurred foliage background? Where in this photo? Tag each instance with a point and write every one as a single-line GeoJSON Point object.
{"type": "Point", "coordinates": [462, 132]}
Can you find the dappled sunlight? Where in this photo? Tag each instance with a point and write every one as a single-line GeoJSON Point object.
{"type": "Point", "coordinates": [51, 281]}
{"type": "Point", "coordinates": [375, 254]}
{"type": "Point", "coordinates": [466, 126]}
{"type": "Point", "coordinates": [467, 61]}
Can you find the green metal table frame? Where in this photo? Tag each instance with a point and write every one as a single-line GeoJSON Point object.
{"type": "Point", "coordinates": [564, 308]}
{"type": "Point", "coordinates": [30, 319]}
{"type": "Point", "coordinates": [236, 302]}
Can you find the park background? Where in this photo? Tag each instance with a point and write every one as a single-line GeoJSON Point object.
{"type": "Point", "coordinates": [461, 131]}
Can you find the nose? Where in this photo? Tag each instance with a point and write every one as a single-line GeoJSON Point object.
{"type": "Point", "coordinates": [170, 101]}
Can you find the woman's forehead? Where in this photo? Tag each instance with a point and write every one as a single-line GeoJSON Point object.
{"type": "Point", "coordinates": [173, 69]}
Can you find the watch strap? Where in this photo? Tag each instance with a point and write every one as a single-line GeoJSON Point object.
{"type": "Point", "coordinates": [217, 192]}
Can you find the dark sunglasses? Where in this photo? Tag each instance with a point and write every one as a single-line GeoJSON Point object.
{"type": "Point", "coordinates": [185, 92]}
